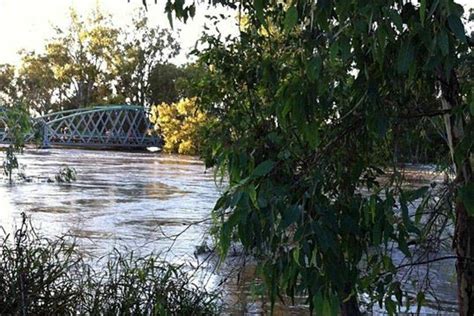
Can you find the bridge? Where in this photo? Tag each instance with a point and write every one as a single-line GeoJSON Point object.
{"type": "Point", "coordinates": [108, 126]}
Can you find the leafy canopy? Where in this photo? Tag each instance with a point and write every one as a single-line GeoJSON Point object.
{"type": "Point", "coordinates": [311, 98]}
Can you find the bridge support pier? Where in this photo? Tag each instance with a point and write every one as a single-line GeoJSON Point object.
{"type": "Point", "coordinates": [45, 143]}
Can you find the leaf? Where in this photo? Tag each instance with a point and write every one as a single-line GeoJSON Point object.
{"type": "Point", "coordinates": [457, 27]}
{"type": "Point", "coordinates": [311, 134]}
{"type": "Point", "coordinates": [259, 10]}
{"type": "Point", "coordinates": [402, 244]}
{"type": "Point", "coordinates": [422, 11]}
{"type": "Point", "coordinates": [263, 168]}
{"type": "Point", "coordinates": [416, 194]}
{"type": "Point", "coordinates": [252, 192]}
{"type": "Point", "coordinates": [405, 57]}
{"type": "Point", "coordinates": [192, 10]}
{"type": "Point", "coordinates": [466, 195]}
{"type": "Point", "coordinates": [296, 255]}
{"type": "Point", "coordinates": [314, 68]}
{"type": "Point", "coordinates": [396, 19]}
{"type": "Point", "coordinates": [291, 17]}
{"type": "Point", "coordinates": [291, 215]}
{"type": "Point", "coordinates": [472, 107]}
{"type": "Point", "coordinates": [443, 42]}
{"type": "Point", "coordinates": [420, 301]}
{"type": "Point", "coordinates": [433, 7]}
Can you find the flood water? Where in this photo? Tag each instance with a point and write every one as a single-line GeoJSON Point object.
{"type": "Point", "coordinates": [137, 201]}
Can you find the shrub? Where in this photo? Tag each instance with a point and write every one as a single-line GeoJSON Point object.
{"type": "Point", "coordinates": [40, 276]}
{"type": "Point", "coordinates": [180, 125]}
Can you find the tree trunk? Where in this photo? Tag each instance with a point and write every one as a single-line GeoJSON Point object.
{"type": "Point", "coordinates": [350, 307]}
{"type": "Point", "coordinates": [463, 242]}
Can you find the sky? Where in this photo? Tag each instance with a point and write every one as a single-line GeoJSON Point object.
{"type": "Point", "coordinates": [26, 24]}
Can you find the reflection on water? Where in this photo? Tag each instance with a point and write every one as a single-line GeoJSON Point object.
{"type": "Point", "coordinates": [137, 201]}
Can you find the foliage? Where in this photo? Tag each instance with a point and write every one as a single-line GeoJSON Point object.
{"type": "Point", "coordinates": [7, 84]}
{"type": "Point", "coordinates": [143, 51]}
{"type": "Point", "coordinates": [180, 125]}
{"type": "Point", "coordinates": [311, 99]}
{"type": "Point", "coordinates": [42, 277]}
{"type": "Point", "coordinates": [66, 174]}
{"type": "Point", "coordinates": [17, 127]}
{"type": "Point", "coordinates": [170, 83]}
{"type": "Point", "coordinates": [92, 61]}
{"type": "Point", "coordinates": [163, 83]}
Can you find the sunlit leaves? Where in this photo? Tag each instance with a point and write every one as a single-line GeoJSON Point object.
{"type": "Point", "coordinates": [179, 124]}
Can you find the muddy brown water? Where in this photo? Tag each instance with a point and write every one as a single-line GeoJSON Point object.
{"type": "Point", "coordinates": [137, 201]}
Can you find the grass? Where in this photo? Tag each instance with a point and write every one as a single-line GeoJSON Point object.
{"type": "Point", "coordinates": [40, 276]}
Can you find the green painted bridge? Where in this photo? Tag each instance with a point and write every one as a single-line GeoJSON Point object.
{"type": "Point", "coordinates": [108, 126]}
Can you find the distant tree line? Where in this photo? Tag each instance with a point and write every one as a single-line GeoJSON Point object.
{"type": "Point", "coordinates": [91, 62]}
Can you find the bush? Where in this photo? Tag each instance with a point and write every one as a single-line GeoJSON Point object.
{"type": "Point", "coordinates": [49, 277]}
{"type": "Point", "coordinates": [180, 125]}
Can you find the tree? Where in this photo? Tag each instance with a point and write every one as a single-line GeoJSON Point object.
{"type": "Point", "coordinates": [8, 91]}
{"type": "Point", "coordinates": [311, 97]}
{"type": "Point", "coordinates": [36, 83]}
{"type": "Point", "coordinates": [144, 51]}
{"type": "Point", "coordinates": [163, 83]}
{"type": "Point", "coordinates": [94, 62]}
{"type": "Point", "coordinates": [180, 124]}
{"type": "Point", "coordinates": [79, 58]}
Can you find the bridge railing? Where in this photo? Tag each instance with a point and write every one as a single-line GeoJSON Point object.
{"type": "Point", "coordinates": [99, 126]}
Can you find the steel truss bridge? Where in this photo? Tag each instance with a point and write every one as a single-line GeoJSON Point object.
{"type": "Point", "coordinates": [109, 126]}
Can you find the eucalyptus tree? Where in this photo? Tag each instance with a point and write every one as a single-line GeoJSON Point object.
{"type": "Point", "coordinates": [36, 83]}
{"type": "Point", "coordinates": [310, 97]}
{"type": "Point", "coordinates": [8, 91]}
{"type": "Point", "coordinates": [79, 57]}
{"type": "Point", "coordinates": [143, 54]}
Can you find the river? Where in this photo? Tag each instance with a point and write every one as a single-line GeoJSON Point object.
{"type": "Point", "coordinates": [136, 201]}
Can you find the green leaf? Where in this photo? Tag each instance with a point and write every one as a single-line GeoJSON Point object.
{"type": "Point", "coordinates": [422, 11]}
{"type": "Point", "coordinates": [416, 194]}
{"type": "Point", "coordinates": [311, 134]}
{"type": "Point", "coordinates": [396, 19]}
{"type": "Point", "coordinates": [314, 68]}
{"type": "Point", "coordinates": [252, 192]}
{"type": "Point", "coordinates": [296, 255]}
{"type": "Point", "coordinates": [457, 27]}
{"type": "Point", "coordinates": [263, 168]}
{"type": "Point", "coordinates": [259, 10]}
{"type": "Point", "coordinates": [471, 106]}
{"type": "Point", "coordinates": [433, 7]}
{"type": "Point", "coordinates": [291, 17]}
{"type": "Point", "coordinates": [443, 42]}
{"type": "Point", "coordinates": [291, 215]}
{"type": "Point", "coordinates": [466, 195]}
{"type": "Point", "coordinates": [406, 56]}
{"type": "Point", "coordinates": [420, 301]}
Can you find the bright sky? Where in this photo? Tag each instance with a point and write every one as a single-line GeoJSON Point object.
{"type": "Point", "coordinates": [25, 24]}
